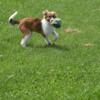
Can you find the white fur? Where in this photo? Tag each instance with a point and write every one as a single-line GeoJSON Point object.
{"type": "Point", "coordinates": [12, 16]}
{"type": "Point", "coordinates": [25, 40]}
{"type": "Point", "coordinates": [48, 29]}
{"type": "Point", "coordinates": [55, 35]}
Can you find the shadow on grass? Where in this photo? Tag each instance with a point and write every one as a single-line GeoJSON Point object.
{"type": "Point", "coordinates": [55, 46]}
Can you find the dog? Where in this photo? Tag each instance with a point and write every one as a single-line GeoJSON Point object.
{"type": "Point", "coordinates": [29, 25]}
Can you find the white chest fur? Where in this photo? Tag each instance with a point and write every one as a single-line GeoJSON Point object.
{"type": "Point", "coordinates": [47, 28]}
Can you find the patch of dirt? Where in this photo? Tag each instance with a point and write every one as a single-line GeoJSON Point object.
{"type": "Point", "coordinates": [70, 30]}
{"type": "Point", "coordinates": [88, 45]}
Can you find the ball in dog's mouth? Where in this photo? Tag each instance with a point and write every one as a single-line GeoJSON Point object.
{"type": "Point", "coordinates": [56, 22]}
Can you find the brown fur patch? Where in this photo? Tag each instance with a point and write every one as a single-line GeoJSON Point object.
{"type": "Point", "coordinates": [30, 24]}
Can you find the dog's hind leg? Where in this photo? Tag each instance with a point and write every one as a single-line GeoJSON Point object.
{"type": "Point", "coordinates": [26, 35]}
{"type": "Point", "coordinates": [25, 39]}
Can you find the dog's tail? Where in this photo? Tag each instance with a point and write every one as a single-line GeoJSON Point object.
{"type": "Point", "coordinates": [11, 19]}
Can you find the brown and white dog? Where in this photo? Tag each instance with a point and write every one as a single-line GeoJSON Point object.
{"type": "Point", "coordinates": [29, 25]}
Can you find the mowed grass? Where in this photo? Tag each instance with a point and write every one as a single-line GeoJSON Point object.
{"type": "Point", "coordinates": [68, 71]}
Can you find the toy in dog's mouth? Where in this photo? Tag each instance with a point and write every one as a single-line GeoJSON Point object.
{"type": "Point", "coordinates": [56, 22]}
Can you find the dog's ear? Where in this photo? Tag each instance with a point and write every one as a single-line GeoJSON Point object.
{"type": "Point", "coordinates": [54, 13]}
{"type": "Point", "coordinates": [45, 12]}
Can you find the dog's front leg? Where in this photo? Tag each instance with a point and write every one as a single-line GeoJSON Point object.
{"type": "Point", "coordinates": [55, 34]}
{"type": "Point", "coordinates": [47, 40]}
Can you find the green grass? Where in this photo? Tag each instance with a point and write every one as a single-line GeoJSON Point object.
{"type": "Point", "coordinates": [69, 71]}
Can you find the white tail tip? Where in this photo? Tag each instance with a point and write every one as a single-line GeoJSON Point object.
{"type": "Point", "coordinates": [13, 15]}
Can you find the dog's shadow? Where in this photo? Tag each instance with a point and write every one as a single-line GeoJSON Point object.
{"type": "Point", "coordinates": [55, 46]}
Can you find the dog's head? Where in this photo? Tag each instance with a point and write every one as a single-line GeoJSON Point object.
{"type": "Point", "coordinates": [49, 15]}
{"type": "Point", "coordinates": [52, 18]}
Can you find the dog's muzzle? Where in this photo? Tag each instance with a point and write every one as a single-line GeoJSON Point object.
{"type": "Point", "coordinates": [56, 22]}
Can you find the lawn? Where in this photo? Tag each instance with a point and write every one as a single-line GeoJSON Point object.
{"type": "Point", "coordinates": [68, 71]}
